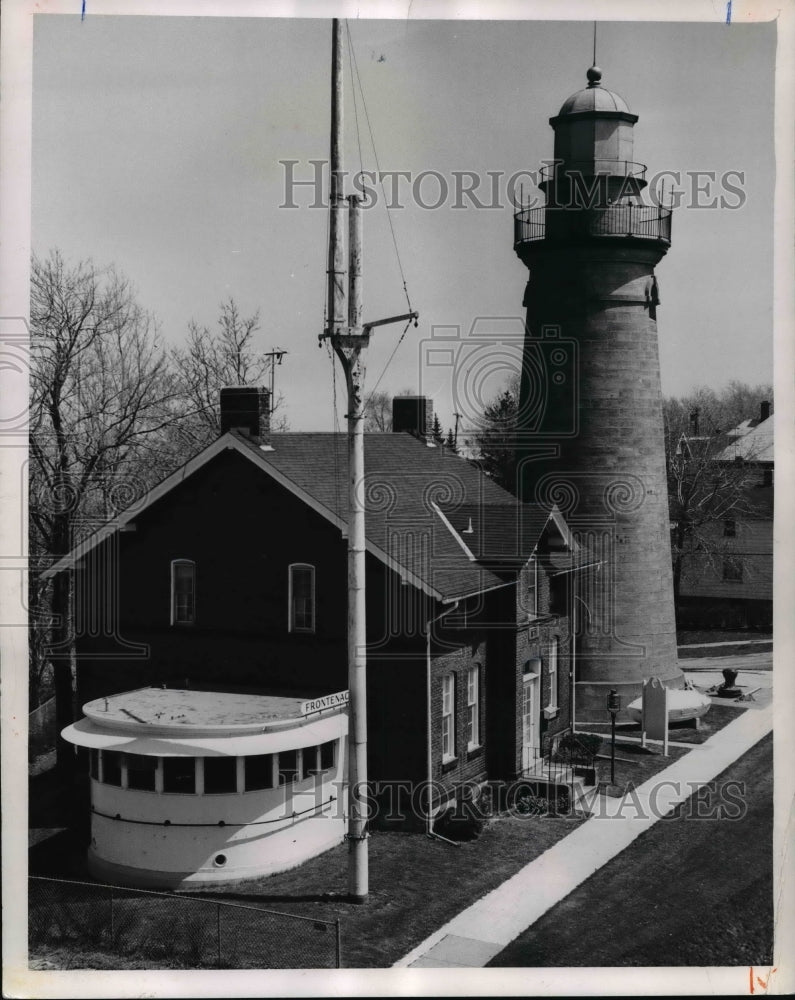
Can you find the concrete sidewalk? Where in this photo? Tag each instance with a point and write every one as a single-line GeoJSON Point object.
{"type": "Point", "coordinates": [481, 931]}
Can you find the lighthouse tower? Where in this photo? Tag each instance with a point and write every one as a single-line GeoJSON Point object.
{"type": "Point", "coordinates": [590, 424]}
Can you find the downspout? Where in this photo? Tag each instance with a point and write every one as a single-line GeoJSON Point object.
{"type": "Point", "coordinates": [573, 684]}
{"type": "Point", "coordinates": [429, 755]}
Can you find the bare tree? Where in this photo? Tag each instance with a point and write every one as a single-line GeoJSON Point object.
{"type": "Point", "coordinates": [705, 491]}
{"type": "Point", "coordinates": [214, 359]}
{"type": "Point", "coordinates": [101, 391]}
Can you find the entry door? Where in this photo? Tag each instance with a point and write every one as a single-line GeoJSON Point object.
{"type": "Point", "coordinates": [530, 722]}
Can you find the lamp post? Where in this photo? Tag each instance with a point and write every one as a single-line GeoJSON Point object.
{"type": "Point", "coordinates": [613, 707]}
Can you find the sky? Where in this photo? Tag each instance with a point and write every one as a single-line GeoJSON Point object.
{"type": "Point", "coordinates": [157, 144]}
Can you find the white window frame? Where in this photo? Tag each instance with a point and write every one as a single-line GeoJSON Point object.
{"type": "Point", "coordinates": [174, 564]}
{"type": "Point", "coordinates": [291, 626]}
{"type": "Point", "coordinates": [553, 667]}
{"type": "Point", "coordinates": [473, 707]}
{"type": "Point", "coordinates": [448, 718]}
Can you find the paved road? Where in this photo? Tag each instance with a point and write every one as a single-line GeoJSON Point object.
{"type": "Point", "coordinates": [745, 661]}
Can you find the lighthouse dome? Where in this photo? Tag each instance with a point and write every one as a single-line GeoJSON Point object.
{"type": "Point", "coordinates": [594, 97]}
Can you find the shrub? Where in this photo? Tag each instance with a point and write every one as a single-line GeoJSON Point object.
{"type": "Point", "coordinates": [456, 824]}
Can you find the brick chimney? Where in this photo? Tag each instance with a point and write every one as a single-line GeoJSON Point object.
{"type": "Point", "coordinates": [246, 408]}
{"type": "Point", "coordinates": [694, 422]}
{"type": "Point", "coordinates": [764, 410]}
{"type": "Point", "coordinates": [415, 415]}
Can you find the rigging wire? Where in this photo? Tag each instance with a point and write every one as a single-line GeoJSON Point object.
{"type": "Point", "coordinates": [355, 66]}
{"type": "Point", "coordinates": [355, 104]}
{"type": "Point", "coordinates": [371, 393]}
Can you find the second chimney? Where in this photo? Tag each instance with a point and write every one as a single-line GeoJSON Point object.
{"type": "Point", "coordinates": [413, 414]}
{"type": "Point", "coordinates": [764, 410]}
{"type": "Point", "coordinates": [246, 408]}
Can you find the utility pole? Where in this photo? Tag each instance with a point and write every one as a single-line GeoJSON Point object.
{"type": "Point", "coordinates": [349, 343]}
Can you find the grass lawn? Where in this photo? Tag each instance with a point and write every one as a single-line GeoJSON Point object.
{"type": "Point", "coordinates": [416, 885]}
{"type": "Point", "coordinates": [689, 891]}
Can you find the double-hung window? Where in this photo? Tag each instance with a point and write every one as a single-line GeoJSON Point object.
{"type": "Point", "coordinates": [552, 706]}
{"type": "Point", "coordinates": [473, 707]}
{"type": "Point", "coordinates": [448, 717]}
{"type": "Point", "coordinates": [301, 598]}
{"type": "Point", "coordinates": [183, 592]}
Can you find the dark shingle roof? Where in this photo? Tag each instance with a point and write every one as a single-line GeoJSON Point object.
{"type": "Point", "coordinates": [407, 483]}
{"type": "Point", "coordinates": [418, 500]}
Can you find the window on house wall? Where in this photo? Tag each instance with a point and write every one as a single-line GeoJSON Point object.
{"type": "Point", "coordinates": [448, 717]}
{"type": "Point", "coordinates": [302, 598]}
{"type": "Point", "coordinates": [553, 674]}
{"type": "Point", "coordinates": [179, 775]}
{"type": "Point", "coordinates": [259, 771]}
{"type": "Point", "coordinates": [558, 594]}
{"type": "Point", "coordinates": [141, 772]}
{"type": "Point", "coordinates": [729, 528]}
{"type": "Point", "coordinates": [473, 707]}
{"type": "Point", "coordinates": [183, 592]}
{"type": "Point", "coordinates": [220, 775]}
{"type": "Point", "coordinates": [733, 570]}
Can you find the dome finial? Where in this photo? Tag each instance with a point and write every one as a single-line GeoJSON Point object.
{"type": "Point", "coordinates": [594, 75]}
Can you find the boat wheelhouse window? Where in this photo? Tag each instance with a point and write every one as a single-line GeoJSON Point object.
{"type": "Point", "coordinates": [308, 762]}
{"type": "Point", "coordinates": [220, 775]}
{"type": "Point", "coordinates": [141, 772]}
{"type": "Point", "coordinates": [327, 755]}
{"type": "Point", "coordinates": [183, 592]}
{"type": "Point", "coordinates": [259, 771]}
{"type": "Point", "coordinates": [288, 766]}
{"type": "Point", "coordinates": [179, 775]}
{"type": "Point", "coordinates": [93, 764]}
{"type": "Point", "coordinates": [302, 598]}
{"type": "Point", "coordinates": [111, 767]}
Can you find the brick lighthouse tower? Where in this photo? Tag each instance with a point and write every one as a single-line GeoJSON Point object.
{"type": "Point", "coordinates": [590, 424]}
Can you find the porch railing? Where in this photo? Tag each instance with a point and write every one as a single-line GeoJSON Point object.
{"type": "Point", "coordinates": [560, 762]}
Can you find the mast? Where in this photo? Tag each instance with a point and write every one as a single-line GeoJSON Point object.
{"type": "Point", "coordinates": [348, 345]}
{"type": "Point", "coordinates": [349, 342]}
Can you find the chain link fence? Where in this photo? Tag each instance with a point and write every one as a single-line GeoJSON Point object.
{"type": "Point", "coordinates": [189, 932]}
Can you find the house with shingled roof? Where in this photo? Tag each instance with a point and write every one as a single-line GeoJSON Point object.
{"type": "Point", "coordinates": [729, 582]}
{"type": "Point", "coordinates": [231, 575]}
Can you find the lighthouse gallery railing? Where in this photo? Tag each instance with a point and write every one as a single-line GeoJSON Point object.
{"type": "Point", "coordinates": [640, 221]}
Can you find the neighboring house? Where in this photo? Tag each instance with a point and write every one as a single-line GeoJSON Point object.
{"type": "Point", "coordinates": [232, 575]}
{"type": "Point", "coordinates": [731, 586]}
